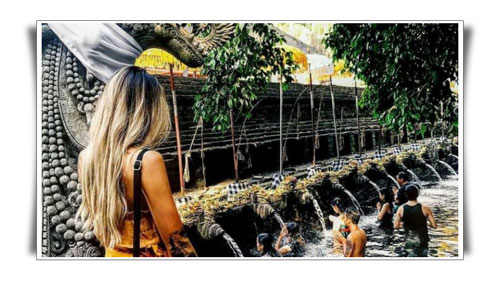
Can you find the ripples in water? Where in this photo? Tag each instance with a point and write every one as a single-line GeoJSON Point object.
{"type": "Point", "coordinates": [441, 197]}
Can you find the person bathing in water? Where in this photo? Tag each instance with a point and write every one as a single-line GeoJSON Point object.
{"type": "Point", "coordinates": [338, 221]}
{"type": "Point", "coordinates": [414, 217]}
{"type": "Point", "coordinates": [265, 246]}
{"type": "Point", "coordinates": [290, 243]}
{"type": "Point", "coordinates": [403, 179]}
{"type": "Point", "coordinates": [354, 244]}
{"type": "Point", "coordinates": [385, 208]}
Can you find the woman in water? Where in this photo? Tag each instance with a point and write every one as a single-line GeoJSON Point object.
{"type": "Point", "coordinates": [265, 246]}
{"type": "Point", "coordinates": [339, 225]}
{"type": "Point", "coordinates": [131, 115]}
{"type": "Point", "coordinates": [339, 220]}
{"type": "Point", "coordinates": [290, 243]}
{"type": "Point", "coordinates": [385, 208]}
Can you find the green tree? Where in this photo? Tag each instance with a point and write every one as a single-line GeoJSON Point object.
{"type": "Point", "coordinates": [240, 69]}
{"type": "Point", "coordinates": [407, 69]}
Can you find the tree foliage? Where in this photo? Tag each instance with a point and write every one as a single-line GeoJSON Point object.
{"type": "Point", "coordinates": [240, 69]}
{"type": "Point", "coordinates": [407, 69]}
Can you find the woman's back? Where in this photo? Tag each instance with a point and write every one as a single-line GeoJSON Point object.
{"type": "Point", "coordinates": [131, 114]}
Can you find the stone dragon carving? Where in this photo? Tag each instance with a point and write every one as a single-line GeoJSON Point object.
{"type": "Point", "coordinates": [69, 95]}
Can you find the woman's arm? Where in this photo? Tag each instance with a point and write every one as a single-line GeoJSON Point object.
{"type": "Point", "coordinates": [382, 211]}
{"type": "Point", "coordinates": [156, 189]}
{"type": "Point", "coordinates": [285, 249]}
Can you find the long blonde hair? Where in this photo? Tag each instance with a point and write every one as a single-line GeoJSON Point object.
{"type": "Point", "coordinates": [132, 111]}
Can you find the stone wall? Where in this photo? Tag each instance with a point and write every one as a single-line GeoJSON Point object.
{"type": "Point", "coordinates": [259, 143]}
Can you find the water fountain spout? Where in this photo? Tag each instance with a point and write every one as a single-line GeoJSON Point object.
{"type": "Point", "coordinates": [448, 167]}
{"type": "Point", "coordinates": [414, 177]}
{"type": "Point", "coordinates": [434, 171]}
{"type": "Point", "coordinates": [393, 180]}
{"type": "Point", "coordinates": [265, 210]}
{"type": "Point", "coordinates": [278, 219]}
{"type": "Point", "coordinates": [232, 244]}
{"type": "Point", "coordinates": [319, 213]}
{"type": "Point", "coordinates": [374, 186]}
{"type": "Point", "coordinates": [212, 230]}
{"type": "Point", "coordinates": [354, 201]}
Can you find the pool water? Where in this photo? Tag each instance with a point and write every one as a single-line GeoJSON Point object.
{"type": "Point", "coordinates": [441, 197]}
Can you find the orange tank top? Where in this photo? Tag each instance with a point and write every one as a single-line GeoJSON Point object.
{"type": "Point", "coordinates": [150, 241]}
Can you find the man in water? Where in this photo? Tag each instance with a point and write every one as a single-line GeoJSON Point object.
{"type": "Point", "coordinates": [414, 217]}
{"type": "Point", "coordinates": [354, 244]}
{"type": "Point", "coordinates": [400, 197]}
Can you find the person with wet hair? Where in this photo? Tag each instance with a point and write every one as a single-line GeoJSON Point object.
{"type": "Point", "coordinates": [354, 245]}
{"type": "Point", "coordinates": [290, 243]}
{"type": "Point", "coordinates": [414, 217]}
{"type": "Point", "coordinates": [403, 179]}
{"type": "Point", "coordinates": [385, 208]}
{"type": "Point", "coordinates": [265, 246]}
{"type": "Point", "coordinates": [339, 211]}
{"type": "Point", "coordinates": [338, 221]}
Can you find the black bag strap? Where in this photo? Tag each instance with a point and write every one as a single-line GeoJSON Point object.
{"type": "Point", "coordinates": [137, 201]}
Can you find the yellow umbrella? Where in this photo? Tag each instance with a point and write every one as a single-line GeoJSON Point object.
{"type": "Point", "coordinates": [157, 61]}
{"type": "Point", "coordinates": [298, 57]}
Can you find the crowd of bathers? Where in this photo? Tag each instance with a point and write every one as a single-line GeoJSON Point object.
{"type": "Point", "coordinates": [397, 207]}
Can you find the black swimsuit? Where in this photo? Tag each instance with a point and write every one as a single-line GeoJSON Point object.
{"type": "Point", "coordinates": [386, 220]}
{"type": "Point", "coordinates": [416, 232]}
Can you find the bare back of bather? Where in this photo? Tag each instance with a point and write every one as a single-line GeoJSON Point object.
{"type": "Point", "coordinates": [356, 242]}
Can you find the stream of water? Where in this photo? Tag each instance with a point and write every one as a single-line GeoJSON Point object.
{"type": "Point", "coordinates": [441, 197]}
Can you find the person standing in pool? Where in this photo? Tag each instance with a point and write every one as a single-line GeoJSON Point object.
{"type": "Point", "coordinates": [338, 209]}
{"type": "Point", "coordinates": [414, 217]}
{"type": "Point", "coordinates": [338, 221]}
{"type": "Point", "coordinates": [265, 246]}
{"type": "Point", "coordinates": [290, 243]}
{"type": "Point", "coordinates": [403, 180]}
{"type": "Point", "coordinates": [355, 243]}
{"type": "Point", "coordinates": [385, 208]}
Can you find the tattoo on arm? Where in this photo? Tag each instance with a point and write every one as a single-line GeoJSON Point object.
{"type": "Point", "coordinates": [348, 248]}
{"type": "Point", "coordinates": [180, 246]}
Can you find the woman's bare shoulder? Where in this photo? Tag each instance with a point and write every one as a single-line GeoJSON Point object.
{"type": "Point", "coordinates": [152, 157]}
{"type": "Point", "coordinates": [152, 162]}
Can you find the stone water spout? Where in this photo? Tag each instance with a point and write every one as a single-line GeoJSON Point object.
{"type": "Point", "coordinates": [319, 213]}
{"type": "Point", "coordinates": [265, 211]}
{"type": "Point", "coordinates": [377, 188]}
{"type": "Point", "coordinates": [212, 230]}
{"type": "Point", "coordinates": [414, 176]}
{"type": "Point", "coordinates": [434, 171]}
{"type": "Point", "coordinates": [391, 178]}
{"type": "Point", "coordinates": [309, 198]}
{"type": "Point", "coordinates": [349, 194]}
{"type": "Point", "coordinates": [448, 167]}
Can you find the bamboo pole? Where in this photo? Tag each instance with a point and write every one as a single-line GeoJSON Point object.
{"type": "Point", "coordinates": [202, 154]}
{"type": "Point", "coordinates": [235, 157]}
{"type": "Point", "coordinates": [281, 125]}
{"type": "Point", "coordinates": [379, 139]}
{"type": "Point", "coordinates": [334, 121]}
{"type": "Point", "coordinates": [312, 120]}
{"type": "Point", "coordinates": [177, 130]}
{"type": "Point", "coordinates": [357, 116]}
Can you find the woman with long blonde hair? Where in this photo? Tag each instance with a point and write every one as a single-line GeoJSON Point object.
{"type": "Point", "coordinates": [131, 117]}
